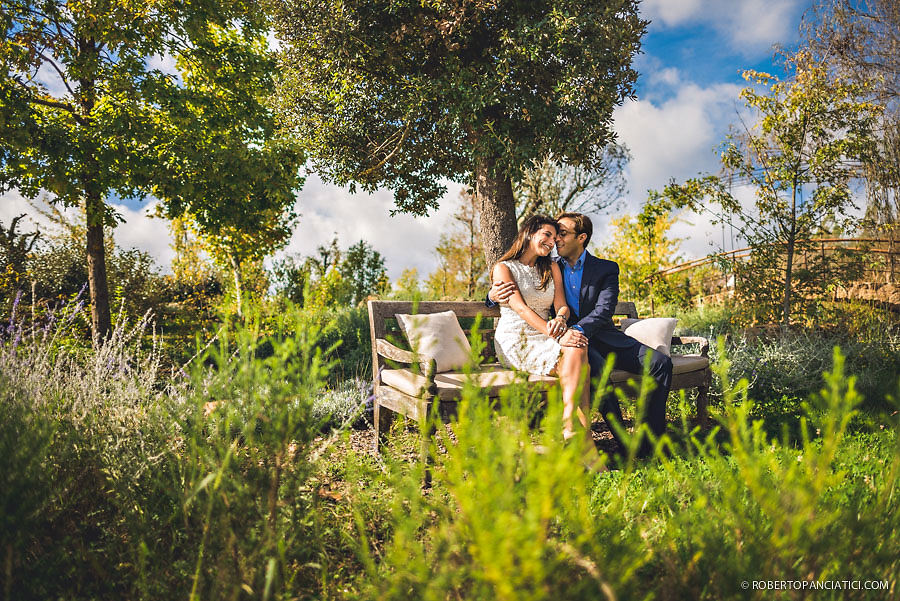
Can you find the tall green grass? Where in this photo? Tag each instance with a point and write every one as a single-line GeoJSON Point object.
{"type": "Point", "coordinates": [506, 522]}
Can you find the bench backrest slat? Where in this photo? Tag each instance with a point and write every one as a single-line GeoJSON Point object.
{"type": "Point", "coordinates": [627, 309]}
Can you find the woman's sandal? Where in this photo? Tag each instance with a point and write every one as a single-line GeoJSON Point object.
{"type": "Point", "coordinates": [594, 463]}
{"type": "Point", "coordinates": [591, 460]}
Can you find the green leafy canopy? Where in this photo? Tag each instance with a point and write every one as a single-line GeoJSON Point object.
{"type": "Point", "coordinates": [203, 142]}
{"type": "Point", "coordinates": [407, 94]}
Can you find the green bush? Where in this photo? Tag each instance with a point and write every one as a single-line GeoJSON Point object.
{"type": "Point", "coordinates": [784, 366]}
{"type": "Point", "coordinates": [347, 330]}
{"type": "Point", "coordinates": [341, 405]}
{"type": "Point", "coordinates": [118, 483]}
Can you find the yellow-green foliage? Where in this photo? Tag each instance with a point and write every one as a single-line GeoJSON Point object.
{"type": "Point", "coordinates": [642, 246]}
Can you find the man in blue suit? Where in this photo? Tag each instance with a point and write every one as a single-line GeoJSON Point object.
{"type": "Point", "coordinates": [592, 291]}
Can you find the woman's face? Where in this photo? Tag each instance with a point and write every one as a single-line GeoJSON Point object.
{"type": "Point", "coordinates": [543, 240]}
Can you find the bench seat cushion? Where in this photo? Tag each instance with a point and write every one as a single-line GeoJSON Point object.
{"type": "Point", "coordinates": [682, 364]}
{"type": "Point", "coordinates": [449, 384]}
{"type": "Point", "coordinates": [493, 377]}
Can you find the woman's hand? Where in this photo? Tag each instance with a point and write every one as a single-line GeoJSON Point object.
{"type": "Point", "coordinates": [556, 327]}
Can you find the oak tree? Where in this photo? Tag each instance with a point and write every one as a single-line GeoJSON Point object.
{"type": "Point", "coordinates": [407, 94]}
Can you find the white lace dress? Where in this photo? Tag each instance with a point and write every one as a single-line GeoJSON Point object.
{"type": "Point", "coordinates": [517, 343]}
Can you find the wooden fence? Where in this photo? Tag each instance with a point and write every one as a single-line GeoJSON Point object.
{"type": "Point", "coordinates": [876, 260]}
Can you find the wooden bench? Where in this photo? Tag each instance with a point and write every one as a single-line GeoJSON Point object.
{"type": "Point", "coordinates": [412, 392]}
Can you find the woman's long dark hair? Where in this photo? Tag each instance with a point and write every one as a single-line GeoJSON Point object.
{"type": "Point", "coordinates": [529, 228]}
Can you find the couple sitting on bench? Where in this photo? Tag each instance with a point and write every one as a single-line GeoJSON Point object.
{"type": "Point", "coordinates": [581, 291]}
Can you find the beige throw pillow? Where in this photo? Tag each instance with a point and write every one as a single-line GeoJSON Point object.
{"type": "Point", "coordinates": [436, 336]}
{"type": "Point", "coordinates": [655, 332]}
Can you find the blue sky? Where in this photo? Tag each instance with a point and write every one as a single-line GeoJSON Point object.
{"type": "Point", "coordinates": [687, 96]}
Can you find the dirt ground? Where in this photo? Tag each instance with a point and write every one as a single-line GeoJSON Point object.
{"type": "Point", "coordinates": [363, 440]}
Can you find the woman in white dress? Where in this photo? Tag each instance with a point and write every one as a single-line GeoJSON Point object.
{"type": "Point", "coordinates": [526, 338]}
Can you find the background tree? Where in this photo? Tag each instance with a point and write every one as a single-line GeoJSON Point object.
{"type": "Point", "coordinates": [291, 277]}
{"type": "Point", "coordinates": [240, 250]}
{"type": "Point", "coordinates": [798, 158]}
{"type": "Point", "coordinates": [222, 139]}
{"type": "Point", "coordinates": [861, 42]}
{"type": "Point", "coordinates": [57, 272]}
{"type": "Point", "coordinates": [552, 188]}
{"type": "Point", "coordinates": [326, 257]}
{"type": "Point", "coordinates": [363, 271]}
{"type": "Point", "coordinates": [191, 262]}
{"type": "Point", "coordinates": [407, 286]}
{"type": "Point", "coordinates": [641, 244]}
{"type": "Point", "coordinates": [195, 287]}
{"type": "Point", "coordinates": [107, 124]}
{"type": "Point", "coordinates": [462, 272]}
{"type": "Point", "coordinates": [15, 247]}
{"type": "Point", "coordinates": [332, 277]}
{"type": "Point", "coordinates": [406, 94]}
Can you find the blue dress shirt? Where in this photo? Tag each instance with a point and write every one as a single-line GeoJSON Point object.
{"type": "Point", "coordinates": [572, 282]}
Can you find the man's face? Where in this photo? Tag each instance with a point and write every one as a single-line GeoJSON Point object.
{"type": "Point", "coordinates": [568, 244]}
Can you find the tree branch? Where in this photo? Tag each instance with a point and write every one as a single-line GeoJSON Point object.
{"type": "Point", "coordinates": [52, 103]}
{"type": "Point", "coordinates": [392, 153]}
{"type": "Point", "coordinates": [58, 70]}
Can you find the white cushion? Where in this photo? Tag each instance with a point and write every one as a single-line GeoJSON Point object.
{"type": "Point", "coordinates": [655, 332]}
{"type": "Point", "coordinates": [436, 336]}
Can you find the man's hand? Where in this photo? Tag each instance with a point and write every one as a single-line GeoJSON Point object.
{"type": "Point", "coordinates": [573, 338]}
{"type": "Point", "coordinates": [501, 291]}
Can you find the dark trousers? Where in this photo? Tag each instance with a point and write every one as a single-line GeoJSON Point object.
{"type": "Point", "coordinates": [632, 359]}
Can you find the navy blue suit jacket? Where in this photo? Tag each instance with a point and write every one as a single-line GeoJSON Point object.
{"type": "Point", "coordinates": [599, 296]}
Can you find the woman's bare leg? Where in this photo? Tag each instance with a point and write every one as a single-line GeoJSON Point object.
{"type": "Point", "coordinates": [573, 373]}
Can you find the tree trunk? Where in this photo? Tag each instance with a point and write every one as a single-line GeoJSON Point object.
{"type": "Point", "coordinates": [789, 260]}
{"type": "Point", "coordinates": [94, 208]}
{"type": "Point", "coordinates": [101, 324]}
{"type": "Point", "coordinates": [236, 268]}
{"type": "Point", "coordinates": [498, 211]}
{"type": "Point", "coordinates": [788, 269]}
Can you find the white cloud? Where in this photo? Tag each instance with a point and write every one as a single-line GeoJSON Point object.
{"type": "Point", "coordinates": [758, 24]}
{"type": "Point", "coordinates": [675, 139]}
{"type": "Point", "coordinates": [669, 76]}
{"type": "Point", "coordinates": [671, 12]}
{"type": "Point", "coordinates": [13, 204]}
{"type": "Point", "coordinates": [749, 26]}
{"type": "Point", "coordinates": [49, 77]}
{"type": "Point", "coordinates": [164, 63]}
{"type": "Point", "coordinates": [143, 232]}
{"type": "Point", "coordinates": [139, 230]}
{"type": "Point", "coordinates": [404, 241]}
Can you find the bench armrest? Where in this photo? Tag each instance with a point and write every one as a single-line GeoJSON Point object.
{"type": "Point", "coordinates": [394, 353]}
{"type": "Point", "coordinates": [703, 342]}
